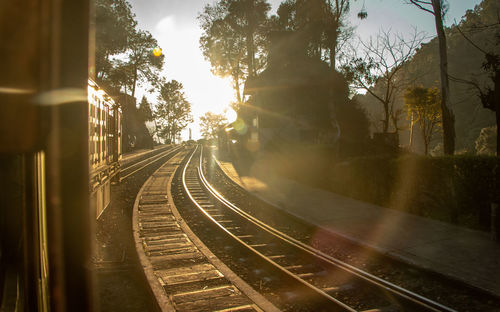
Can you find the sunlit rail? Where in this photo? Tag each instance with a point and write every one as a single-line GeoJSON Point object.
{"type": "Point", "coordinates": [399, 298]}
{"type": "Point", "coordinates": [140, 165]}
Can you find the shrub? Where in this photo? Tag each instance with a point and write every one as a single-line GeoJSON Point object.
{"type": "Point", "coordinates": [456, 189]}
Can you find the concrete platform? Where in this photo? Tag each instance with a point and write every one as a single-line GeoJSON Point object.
{"type": "Point", "coordinates": [462, 254]}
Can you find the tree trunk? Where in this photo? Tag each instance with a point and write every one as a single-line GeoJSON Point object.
{"type": "Point", "coordinates": [426, 140]}
{"type": "Point", "coordinates": [385, 122]}
{"type": "Point", "coordinates": [236, 79]}
{"type": "Point", "coordinates": [411, 134]}
{"type": "Point", "coordinates": [249, 39]}
{"type": "Point", "coordinates": [447, 112]}
{"type": "Point", "coordinates": [496, 95]}
{"type": "Point", "coordinates": [497, 113]}
{"type": "Point", "coordinates": [333, 55]}
{"type": "Point", "coordinates": [135, 82]}
{"type": "Point", "coordinates": [250, 54]}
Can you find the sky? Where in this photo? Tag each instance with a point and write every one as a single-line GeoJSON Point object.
{"type": "Point", "coordinates": [173, 23]}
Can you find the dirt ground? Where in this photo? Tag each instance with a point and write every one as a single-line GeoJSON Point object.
{"type": "Point", "coordinates": [119, 281]}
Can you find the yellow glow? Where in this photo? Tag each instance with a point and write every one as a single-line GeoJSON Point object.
{"type": "Point", "coordinates": [157, 51]}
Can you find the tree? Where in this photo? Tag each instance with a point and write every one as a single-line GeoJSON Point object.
{"type": "Point", "coordinates": [210, 123]}
{"type": "Point", "coordinates": [222, 46]}
{"type": "Point", "coordinates": [249, 18]}
{"type": "Point", "coordinates": [233, 38]}
{"type": "Point", "coordinates": [378, 70]}
{"type": "Point", "coordinates": [321, 24]}
{"type": "Point", "coordinates": [124, 55]}
{"type": "Point", "coordinates": [486, 141]}
{"type": "Point", "coordinates": [145, 110]}
{"type": "Point", "coordinates": [423, 106]}
{"type": "Point", "coordinates": [115, 23]}
{"type": "Point", "coordinates": [337, 30]}
{"type": "Point", "coordinates": [144, 65]}
{"type": "Point", "coordinates": [173, 111]}
{"type": "Point", "coordinates": [438, 9]}
{"type": "Point", "coordinates": [489, 90]}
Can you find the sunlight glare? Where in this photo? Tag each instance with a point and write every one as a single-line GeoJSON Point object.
{"type": "Point", "coordinates": [185, 63]}
{"type": "Point", "coordinates": [231, 115]}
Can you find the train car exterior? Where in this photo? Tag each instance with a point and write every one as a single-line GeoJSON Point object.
{"type": "Point", "coordinates": [105, 147]}
{"type": "Point", "coordinates": [45, 229]}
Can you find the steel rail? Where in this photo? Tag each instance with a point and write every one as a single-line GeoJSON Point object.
{"type": "Point", "coordinates": [404, 296]}
{"type": "Point", "coordinates": [378, 282]}
{"type": "Point", "coordinates": [320, 292]}
{"type": "Point", "coordinates": [148, 161]}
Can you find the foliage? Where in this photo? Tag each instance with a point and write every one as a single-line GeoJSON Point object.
{"type": "Point", "coordinates": [487, 90]}
{"type": "Point", "coordinates": [423, 106]}
{"type": "Point", "coordinates": [321, 25]}
{"type": "Point", "coordinates": [224, 48]}
{"type": "Point", "coordinates": [454, 189]}
{"type": "Point", "coordinates": [124, 55]}
{"type": "Point", "coordinates": [146, 114]}
{"type": "Point", "coordinates": [210, 123]}
{"type": "Point", "coordinates": [486, 141]}
{"type": "Point", "coordinates": [233, 38]}
{"type": "Point", "coordinates": [144, 65]}
{"type": "Point", "coordinates": [297, 95]}
{"type": "Point", "coordinates": [135, 134]}
{"type": "Point", "coordinates": [115, 22]}
{"type": "Point", "coordinates": [173, 111]}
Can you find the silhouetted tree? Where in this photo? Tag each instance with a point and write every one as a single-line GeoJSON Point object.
{"type": "Point", "coordinates": [144, 65]}
{"type": "Point", "coordinates": [173, 111]}
{"type": "Point", "coordinates": [321, 24]}
{"type": "Point", "coordinates": [210, 124]}
{"type": "Point", "coordinates": [423, 106]}
{"type": "Point", "coordinates": [222, 46]}
{"type": "Point", "coordinates": [295, 97]}
{"type": "Point", "coordinates": [233, 37]}
{"type": "Point", "coordinates": [438, 8]}
{"type": "Point", "coordinates": [145, 110]}
{"type": "Point", "coordinates": [135, 132]}
{"type": "Point", "coordinates": [115, 23]}
{"type": "Point", "coordinates": [117, 34]}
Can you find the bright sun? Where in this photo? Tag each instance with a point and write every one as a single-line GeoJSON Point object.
{"type": "Point", "coordinates": [230, 114]}
{"type": "Point", "coordinates": [184, 62]}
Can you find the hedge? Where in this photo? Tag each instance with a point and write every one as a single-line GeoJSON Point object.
{"type": "Point", "coordinates": [455, 189]}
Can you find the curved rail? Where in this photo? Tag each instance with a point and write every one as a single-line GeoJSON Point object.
{"type": "Point", "coordinates": [401, 297]}
{"type": "Point", "coordinates": [138, 166]}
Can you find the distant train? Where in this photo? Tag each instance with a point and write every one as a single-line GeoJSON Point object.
{"type": "Point", "coordinates": [105, 145]}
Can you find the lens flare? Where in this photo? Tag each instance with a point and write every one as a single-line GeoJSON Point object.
{"type": "Point", "coordinates": [157, 51]}
{"type": "Point", "coordinates": [240, 126]}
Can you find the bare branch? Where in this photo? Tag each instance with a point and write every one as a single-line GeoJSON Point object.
{"type": "Point", "coordinates": [420, 4]}
{"type": "Point", "coordinates": [471, 42]}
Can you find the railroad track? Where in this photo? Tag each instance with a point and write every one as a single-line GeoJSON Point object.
{"type": "Point", "coordinates": [131, 169]}
{"type": "Point", "coordinates": [311, 275]}
{"type": "Point", "coordinates": [182, 272]}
